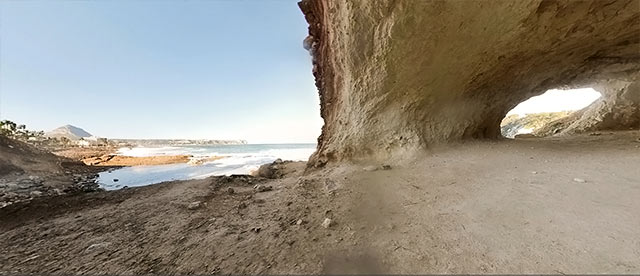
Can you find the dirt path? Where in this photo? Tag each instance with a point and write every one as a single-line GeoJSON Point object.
{"type": "Point", "coordinates": [490, 207]}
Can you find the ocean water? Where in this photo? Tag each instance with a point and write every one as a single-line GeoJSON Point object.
{"type": "Point", "coordinates": [239, 159]}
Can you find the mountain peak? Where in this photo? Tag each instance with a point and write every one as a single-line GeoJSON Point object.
{"type": "Point", "coordinates": [69, 131]}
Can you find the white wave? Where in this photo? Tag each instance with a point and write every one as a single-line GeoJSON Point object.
{"type": "Point", "coordinates": [151, 151]}
{"type": "Point", "coordinates": [296, 154]}
{"type": "Point", "coordinates": [237, 160]}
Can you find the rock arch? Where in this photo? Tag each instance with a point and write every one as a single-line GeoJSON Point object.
{"type": "Point", "coordinates": [397, 76]}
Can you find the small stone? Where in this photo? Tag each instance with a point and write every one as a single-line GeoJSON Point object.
{"type": "Point", "coordinates": [534, 172]}
{"type": "Point", "coordinates": [262, 188]}
{"type": "Point", "coordinates": [370, 168]}
{"type": "Point", "coordinates": [579, 180]}
{"type": "Point", "coordinates": [256, 229]}
{"type": "Point", "coordinates": [327, 223]}
{"type": "Point", "coordinates": [278, 161]}
{"type": "Point", "coordinates": [386, 167]}
{"type": "Point", "coordinates": [98, 246]}
{"type": "Point", "coordinates": [242, 205]}
{"type": "Point", "coordinates": [116, 180]}
{"type": "Point", "coordinates": [194, 205]}
{"type": "Point", "coordinates": [230, 191]}
{"type": "Point", "coordinates": [25, 186]}
{"type": "Point", "coordinates": [36, 193]}
{"type": "Point", "coordinates": [299, 222]}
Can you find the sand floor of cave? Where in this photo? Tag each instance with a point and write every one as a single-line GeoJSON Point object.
{"type": "Point", "coordinates": [509, 206]}
{"type": "Point", "coordinates": [513, 206]}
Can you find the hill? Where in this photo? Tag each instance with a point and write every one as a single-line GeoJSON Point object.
{"type": "Point", "coordinates": [68, 131]}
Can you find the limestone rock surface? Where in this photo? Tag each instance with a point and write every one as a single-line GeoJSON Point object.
{"type": "Point", "coordinates": [397, 76]}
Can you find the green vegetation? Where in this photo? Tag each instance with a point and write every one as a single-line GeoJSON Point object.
{"type": "Point", "coordinates": [20, 132]}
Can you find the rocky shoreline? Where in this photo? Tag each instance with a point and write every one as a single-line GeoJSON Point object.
{"type": "Point", "coordinates": [106, 156]}
{"type": "Point", "coordinates": [20, 187]}
{"type": "Point", "coordinates": [66, 171]}
{"type": "Point", "coordinates": [28, 172]}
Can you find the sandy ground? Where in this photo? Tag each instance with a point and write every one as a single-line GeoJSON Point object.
{"type": "Point", "coordinates": [119, 160]}
{"type": "Point", "coordinates": [555, 206]}
{"type": "Point", "coordinates": [105, 156]}
{"type": "Point", "coordinates": [79, 153]}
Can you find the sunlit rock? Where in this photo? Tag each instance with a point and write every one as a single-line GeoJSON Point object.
{"type": "Point", "coordinates": [397, 76]}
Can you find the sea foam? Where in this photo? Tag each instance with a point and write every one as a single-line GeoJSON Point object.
{"type": "Point", "coordinates": [237, 159]}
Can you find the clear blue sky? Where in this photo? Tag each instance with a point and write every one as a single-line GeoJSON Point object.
{"type": "Point", "coordinates": [159, 69]}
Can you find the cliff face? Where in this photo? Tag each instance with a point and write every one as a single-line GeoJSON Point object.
{"type": "Point", "coordinates": [618, 109]}
{"type": "Point", "coordinates": [396, 76]}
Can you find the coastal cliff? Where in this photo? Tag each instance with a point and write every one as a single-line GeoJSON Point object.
{"type": "Point", "coordinates": [397, 76]}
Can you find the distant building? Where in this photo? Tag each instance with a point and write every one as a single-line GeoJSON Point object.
{"type": "Point", "coordinates": [82, 143]}
{"type": "Point", "coordinates": [102, 141]}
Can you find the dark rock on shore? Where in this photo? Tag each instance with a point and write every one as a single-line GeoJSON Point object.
{"type": "Point", "coordinates": [28, 172]}
{"type": "Point", "coordinates": [274, 170]}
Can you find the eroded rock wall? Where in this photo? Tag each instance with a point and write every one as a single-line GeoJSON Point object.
{"type": "Point", "coordinates": [397, 76]}
{"type": "Point", "coordinates": [617, 109]}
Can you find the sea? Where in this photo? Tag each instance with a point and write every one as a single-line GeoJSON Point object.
{"type": "Point", "coordinates": [238, 159]}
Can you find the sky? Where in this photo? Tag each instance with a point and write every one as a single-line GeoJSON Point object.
{"type": "Point", "coordinates": [159, 69]}
{"type": "Point", "coordinates": [557, 100]}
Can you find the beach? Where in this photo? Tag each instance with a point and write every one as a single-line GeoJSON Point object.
{"type": "Point", "coordinates": [145, 165]}
{"type": "Point", "coordinates": [484, 207]}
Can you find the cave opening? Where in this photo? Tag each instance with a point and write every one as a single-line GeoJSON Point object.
{"type": "Point", "coordinates": [538, 111]}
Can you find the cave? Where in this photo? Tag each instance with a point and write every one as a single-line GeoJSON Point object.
{"type": "Point", "coordinates": [396, 77]}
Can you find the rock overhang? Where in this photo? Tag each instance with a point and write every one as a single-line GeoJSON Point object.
{"type": "Point", "coordinates": [397, 76]}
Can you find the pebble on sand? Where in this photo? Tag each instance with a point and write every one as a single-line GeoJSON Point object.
{"type": "Point", "coordinates": [327, 223]}
{"type": "Point", "coordinates": [579, 180]}
{"type": "Point", "coordinates": [194, 205]}
{"type": "Point", "coordinates": [370, 168]}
